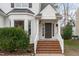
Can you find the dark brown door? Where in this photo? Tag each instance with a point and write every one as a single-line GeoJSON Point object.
{"type": "Point", "coordinates": [19, 24]}
{"type": "Point", "coordinates": [48, 30]}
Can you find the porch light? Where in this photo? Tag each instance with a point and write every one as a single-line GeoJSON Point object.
{"type": "Point", "coordinates": [56, 25]}
{"type": "Point", "coordinates": [39, 22]}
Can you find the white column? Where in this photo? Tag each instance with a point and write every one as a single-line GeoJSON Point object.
{"type": "Point", "coordinates": [26, 25]}
{"type": "Point", "coordinates": [37, 28]}
{"type": "Point", "coordinates": [58, 27]}
{"type": "Point", "coordinates": [12, 22]}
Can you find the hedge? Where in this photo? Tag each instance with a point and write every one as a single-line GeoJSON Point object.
{"type": "Point", "coordinates": [12, 39]}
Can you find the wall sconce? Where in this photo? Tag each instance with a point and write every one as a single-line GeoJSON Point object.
{"type": "Point", "coordinates": [56, 25]}
{"type": "Point", "coordinates": [40, 22]}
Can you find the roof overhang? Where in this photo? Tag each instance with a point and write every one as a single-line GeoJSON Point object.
{"type": "Point", "coordinates": [58, 17]}
{"type": "Point", "coordinates": [2, 13]}
{"type": "Point", "coordinates": [20, 12]}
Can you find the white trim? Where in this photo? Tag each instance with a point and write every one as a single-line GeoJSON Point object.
{"type": "Point", "coordinates": [43, 22]}
{"type": "Point", "coordinates": [21, 14]}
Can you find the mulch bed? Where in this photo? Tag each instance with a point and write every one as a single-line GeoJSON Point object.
{"type": "Point", "coordinates": [17, 53]}
{"type": "Point", "coordinates": [28, 52]}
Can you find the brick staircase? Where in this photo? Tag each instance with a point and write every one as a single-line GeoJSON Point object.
{"type": "Point", "coordinates": [48, 47]}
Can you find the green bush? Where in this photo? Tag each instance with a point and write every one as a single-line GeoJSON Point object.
{"type": "Point", "coordinates": [12, 39]}
{"type": "Point", "coordinates": [67, 31]}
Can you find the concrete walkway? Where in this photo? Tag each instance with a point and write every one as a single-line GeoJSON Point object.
{"type": "Point", "coordinates": [49, 55]}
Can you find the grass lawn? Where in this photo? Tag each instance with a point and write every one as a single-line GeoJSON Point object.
{"type": "Point", "coordinates": [71, 47]}
{"type": "Point", "coordinates": [72, 43]}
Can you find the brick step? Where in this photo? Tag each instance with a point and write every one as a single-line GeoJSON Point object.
{"type": "Point", "coordinates": [47, 49]}
{"type": "Point", "coordinates": [48, 42]}
{"type": "Point", "coordinates": [50, 52]}
{"type": "Point", "coordinates": [48, 45]}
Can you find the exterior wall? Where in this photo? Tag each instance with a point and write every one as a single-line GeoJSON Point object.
{"type": "Point", "coordinates": [48, 13]}
{"type": "Point", "coordinates": [77, 22]}
{"type": "Point", "coordinates": [42, 25]}
{"type": "Point", "coordinates": [6, 7]}
{"type": "Point", "coordinates": [7, 22]}
{"type": "Point", "coordinates": [1, 21]}
{"type": "Point", "coordinates": [26, 18]}
{"type": "Point", "coordinates": [36, 8]}
{"type": "Point", "coordinates": [34, 30]}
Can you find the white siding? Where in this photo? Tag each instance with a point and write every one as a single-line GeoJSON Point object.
{"type": "Point", "coordinates": [36, 8]}
{"type": "Point", "coordinates": [48, 13]}
{"type": "Point", "coordinates": [6, 7]}
{"type": "Point", "coordinates": [1, 21]}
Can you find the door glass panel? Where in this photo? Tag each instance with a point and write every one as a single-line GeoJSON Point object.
{"type": "Point", "coordinates": [48, 30]}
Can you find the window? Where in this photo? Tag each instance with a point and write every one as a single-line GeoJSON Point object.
{"type": "Point", "coordinates": [30, 5]}
{"type": "Point", "coordinates": [20, 5]}
{"type": "Point", "coordinates": [19, 24]}
{"type": "Point", "coordinates": [17, 5]}
{"type": "Point", "coordinates": [12, 5]}
{"type": "Point", "coordinates": [43, 29]}
{"type": "Point", "coordinates": [29, 27]}
{"type": "Point", "coordinates": [24, 5]}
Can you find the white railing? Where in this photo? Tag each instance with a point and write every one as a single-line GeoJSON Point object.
{"type": "Point", "coordinates": [61, 41]}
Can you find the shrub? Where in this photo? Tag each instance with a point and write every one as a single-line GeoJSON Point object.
{"type": "Point", "coordinates": [67, 31]}
{"type": "Point", "coordinates": [12, 39]}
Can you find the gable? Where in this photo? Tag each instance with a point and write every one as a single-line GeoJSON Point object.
{"type": "Point", "coordinates": [43, 5]}
{"type": "Point", "coordinates": [48, 12]}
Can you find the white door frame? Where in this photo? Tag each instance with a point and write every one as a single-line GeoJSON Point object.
{"type": "Point", "coordinates": [42, 29]}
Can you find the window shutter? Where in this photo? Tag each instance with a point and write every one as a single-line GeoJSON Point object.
{"type": "Point", "coordinates": [12, 5]}
{"type": "Point", "coordinates": [30, 5]}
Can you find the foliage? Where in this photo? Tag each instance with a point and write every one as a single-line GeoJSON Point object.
{"type": "Point", "coordinates": [67, 31]}
{"type": "Point", "coordinates": [12, 39]}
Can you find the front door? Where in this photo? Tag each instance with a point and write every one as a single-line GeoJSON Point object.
{"type": "Point", "coordinates": [48, 31]}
